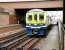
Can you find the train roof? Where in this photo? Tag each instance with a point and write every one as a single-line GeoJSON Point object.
{"type": "Point", "coordinates": [36, 10]}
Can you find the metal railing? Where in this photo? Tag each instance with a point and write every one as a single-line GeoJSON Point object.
{"type": "Point", "coordinates": [61, 34]}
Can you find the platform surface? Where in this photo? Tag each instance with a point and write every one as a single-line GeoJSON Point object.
{"type": "Point", "coordinates": [51, 42]}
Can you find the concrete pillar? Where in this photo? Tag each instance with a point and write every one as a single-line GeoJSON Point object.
{"type": "Point", "coordinates": [7, 16]}
{"type": "Point", "coordinates": [12, 18]}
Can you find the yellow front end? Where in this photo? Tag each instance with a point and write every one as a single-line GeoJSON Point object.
{"type": "Point", "coordinates": [37, 20]}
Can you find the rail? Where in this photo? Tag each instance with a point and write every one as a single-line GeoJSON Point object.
{"type": "Point", "coordinates": [8, 43]}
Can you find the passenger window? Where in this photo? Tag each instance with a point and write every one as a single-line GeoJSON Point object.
{"type": "Point", "coordinates": [30, 17]}
{"type": "Point", "coordinates": [35, 17]}
{"type": "Point", "coordinates": [41, 17]}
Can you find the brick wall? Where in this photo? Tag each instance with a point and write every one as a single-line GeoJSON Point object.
{"type": "Point", "coordinates": [12, 19]}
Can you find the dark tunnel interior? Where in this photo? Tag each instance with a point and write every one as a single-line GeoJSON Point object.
{"type": "Point", "coordinates": [21, 13]}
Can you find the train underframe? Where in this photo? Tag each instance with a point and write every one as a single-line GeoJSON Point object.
{"type": "Point", "coordinates": [36, 31]}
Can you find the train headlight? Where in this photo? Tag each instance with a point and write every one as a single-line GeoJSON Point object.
{"type": "Point", "coordinates": [35, 24]}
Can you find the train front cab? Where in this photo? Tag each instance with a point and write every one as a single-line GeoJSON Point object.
{"type": "Point", "coordinates": [35, 26]}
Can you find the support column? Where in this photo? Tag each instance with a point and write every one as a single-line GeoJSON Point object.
{"type": "Point", "coordinates": [12, 18]}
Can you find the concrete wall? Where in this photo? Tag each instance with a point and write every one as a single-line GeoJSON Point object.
{"type": "Point", "coordinates": [4, 19]}
{"type": "Point", "coordinates": [47, 4]}
{"type": "Point", "coordinates": [7, 16]}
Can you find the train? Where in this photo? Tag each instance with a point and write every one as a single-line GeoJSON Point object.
{"type": "Point", "coordinates": [37, 21]}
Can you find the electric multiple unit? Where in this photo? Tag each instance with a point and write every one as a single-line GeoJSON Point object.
{"type": "Point", "coordinates": [36, 22]}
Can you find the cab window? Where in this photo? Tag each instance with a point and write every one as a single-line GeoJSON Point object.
{"type": "Point", "coordinates": [30, 17]}
{"type": "Point", "coordinates": [41, 17]}
{"type": "Point", "coordinates": [35, 17]}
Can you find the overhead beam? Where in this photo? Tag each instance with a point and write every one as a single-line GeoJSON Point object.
{"type": "Point", "coordinates": [46, 4]}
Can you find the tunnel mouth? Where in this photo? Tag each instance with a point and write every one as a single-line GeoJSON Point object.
{"type": "Point", "coordinates": [21, 13]}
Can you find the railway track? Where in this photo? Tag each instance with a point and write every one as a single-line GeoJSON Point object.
{"type": "Point", "coordinates": [21, 44]}
{"type": "Point", "coordinates": [9, 31]}
{"type": "Point", "coordinates": [26, 45]}
{"type": "Point", "coordinates": [2, 39]}
{"type": "Point", "coordinates": [5, 44]}
{"type": "Point", "coordinates": [17, 42]}
{"type": "Point", "coordinates": [30, 44]}
{"type": "Point", "coordinates": [11, 37]}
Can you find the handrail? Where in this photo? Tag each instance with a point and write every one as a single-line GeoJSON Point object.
{"type": "Point", "coordinates": [61, 33]}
